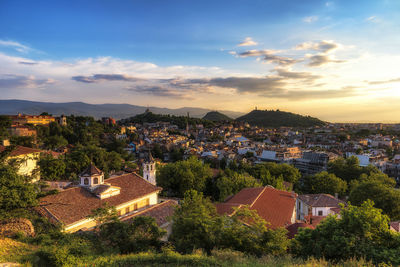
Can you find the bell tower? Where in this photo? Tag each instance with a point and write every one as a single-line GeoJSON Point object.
{"type": "Point", "coordinates": [149, 169]}
{"type": "Point", "coordinates": [91, 177]}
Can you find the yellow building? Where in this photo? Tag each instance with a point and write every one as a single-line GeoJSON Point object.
{"type": "Point", "coordinates": [26, 159]}
{"type": "Point", "coordinates": [32, 119]}
{"type": "Point", "coordinates": [128, 193]}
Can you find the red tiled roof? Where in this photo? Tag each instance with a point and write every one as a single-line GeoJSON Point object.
{"type": "Point", "coordinates": [293, 229]}
{"type": "Point", "coordinates": [395, 226]}
{"type": "Point", "coordinates": [91, 170]}
{"type": "Point", "coordinates": [161, 212]}
{"type": "Point", "coordinates": [226, 208]}
{"type": "Point", "coordinates": [77, 203]}
{"type": "Point", "coordinates": [273, 205]}
{"type": "Point", "coordinates": [246, 196]}
{"type": "Point", "coordinates": [20, 150]}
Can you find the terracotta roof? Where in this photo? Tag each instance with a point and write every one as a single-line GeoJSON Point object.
{"type": "Point", "coordinates": [395, 226]}
{"type": "Point", "coordinates": [293, 229]}
{"type": "Point", "coordinates": [321, 200]}
{"type": "Point", "coordinates": [161, 212]}
{"type": "Point", "coordinates": [77, 203]}
{"type": "Point", "coordinates": [91, 170]}
{"type": "Point", "coordinates": [273, 205]}
{"type": "Point", "coordinates": [226, 208]}
{"type": "Point", "coordinates": [101, 188]}
{"type": "Point", "coordinates": [20, 150]}
{"type": "Point", "coordinates": [246, 196]}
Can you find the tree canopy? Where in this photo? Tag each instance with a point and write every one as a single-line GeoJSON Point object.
{"type": "Point", "coordinates": [360, 232]}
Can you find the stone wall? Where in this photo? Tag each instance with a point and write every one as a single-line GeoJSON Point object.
{"type": "Point", "coordinates": [11, 227]}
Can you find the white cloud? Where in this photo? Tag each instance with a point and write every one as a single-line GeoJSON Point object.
{"type": "Point", "coordinates": [323, 46]}
{"type": "Point", "coordinates": [373, 19]}
{"type": "Point", "coordinates": [248, 41]}
{"type": "Point", "coordinates": [310, 19]}
{"type": "Point", "coordinates": [17, 46]}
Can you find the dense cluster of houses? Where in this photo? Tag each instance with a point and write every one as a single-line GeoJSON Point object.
{"type": "Point", "coordinates": [309, 150]}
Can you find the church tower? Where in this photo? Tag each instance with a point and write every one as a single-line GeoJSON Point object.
{"type": "Point", "coordinates": [92, 176]}
{"type": "Point", "coordinates": [149, 169]}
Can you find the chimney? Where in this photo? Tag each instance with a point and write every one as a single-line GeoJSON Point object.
{"type": "Point", "coordinates": [5, 142]}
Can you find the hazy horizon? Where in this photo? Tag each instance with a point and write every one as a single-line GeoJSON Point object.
{"type": "Point", "coordinates": [334, 60]}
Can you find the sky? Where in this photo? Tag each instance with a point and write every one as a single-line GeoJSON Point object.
{"type": "Point", "coordinates": [336, 60]}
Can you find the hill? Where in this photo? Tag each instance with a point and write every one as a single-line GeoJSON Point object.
{"type": "Point", "coordinates": [180, 121]}
{"type": "Point", "coordinates": [216, 116]}
{"type": "Point", "coordinates": [271, 118]}
{"type": "Point", "coordinates": [117, 111]}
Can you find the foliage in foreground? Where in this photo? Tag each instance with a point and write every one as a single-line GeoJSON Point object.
{"type": "Point", "coordinates": [361, 232]}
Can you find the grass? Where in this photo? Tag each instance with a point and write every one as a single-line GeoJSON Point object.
{"type": "Point", "coordinates": [14, 251]}
{"type": "Point", "coordinates": [18, 252]}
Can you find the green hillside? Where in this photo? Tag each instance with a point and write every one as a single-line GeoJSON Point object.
{"type": "Point", "coordinates": [271, 118]}
{"type": "Point", "coordinates": [216, 116]}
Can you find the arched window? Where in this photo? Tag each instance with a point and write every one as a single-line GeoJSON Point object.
{"type": "Point", "coordinates": [151, 167]}
{"type": "Point", "coordinates": [96, 180]}
{"type": "Point", "coordinates": [86, 181]}
{"type": "Point", "coordinates": [147, 166]}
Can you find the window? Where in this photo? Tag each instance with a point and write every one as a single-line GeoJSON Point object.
{"type": "Point", "coordinates": [127, 210]}
{"type": "Point", "coordinates": [96, 180]}
{"type": "Point", "coordinates": [119, 213]}
{"type": "Point", "coordinates": [86, 181]}
{"type": "Point", "coordinates": [135, 206]}
{"type": "Point", "coordinates": [320, 213]}
{"type": "Point", "coordinates": [147, 177]}
{"type": "Point", "coordinates": [151, 167]}
{"type": "Point", "coordinates": [147, 167]}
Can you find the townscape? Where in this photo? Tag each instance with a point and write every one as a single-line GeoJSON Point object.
{"type": "Point", "coordinates": [86, 175]}
{"type": "Point", "coordinates": [204, 133]}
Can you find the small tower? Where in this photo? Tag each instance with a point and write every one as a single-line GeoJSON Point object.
{"type": "Point", "coordinates": [149, 169]}
{"type": "Point", "coordinates": [62, 120]}
{"type": "Point", "coordinates": [91, 177]}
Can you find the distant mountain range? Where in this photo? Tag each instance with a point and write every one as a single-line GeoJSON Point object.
{"type": "Point", "coordinates": [263, 118]}
{"type": "Point", "coordinates": [271, 118]}
{"type": "Point", "coordinates": [117, 111]}
{"type": "Point", "coordinates": [216, 116]}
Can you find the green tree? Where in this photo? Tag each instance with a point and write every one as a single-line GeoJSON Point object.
{"type": "Point", "coordinates": [16, 191]}
{"type": "Point", "coordinates": [231, 183]}
{"type": "Point", "coordinates": [195, 224]}
{"type": "Point", "coordinates": [360, 232]}
{"type": "Point", "coordinates": [5, 123]}
{"type": "Point", "coordinates": [27, 141]}
{"type": "Point", "coordinates": [349, 169]}
{"type": "Point", "coordinates": [55, 141]}
{"type": "Point", "coordinates": [323, 182]}
{"type": "Point", "coordinates": [268, 172]}
{"type": "Point", "coordinates": [51, 169]}
{"type": "Point", "coordinates": [246, 231]}
{"type": "Point", "coordinates": [141, 234]}
{"type": "Point", "coordinates": [385, 197]}
{"type": "Point", "coordinates": [176, 178]}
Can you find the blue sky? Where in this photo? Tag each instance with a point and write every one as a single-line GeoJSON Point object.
{"type": "Point", "coordinates": [294, 55]}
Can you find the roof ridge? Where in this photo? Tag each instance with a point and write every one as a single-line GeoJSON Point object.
{"type": "Point", "coordinates": [258, 197]}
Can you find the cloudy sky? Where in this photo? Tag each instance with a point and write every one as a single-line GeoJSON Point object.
{"type": "Point", "coordinates": [336, 60]}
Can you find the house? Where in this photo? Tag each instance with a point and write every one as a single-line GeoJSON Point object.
{"type": "Point", "coordinates": [128, 193]}
{"type": "Point", "coordinates": [31, 119]}
{"type": "Point", "coordinates": [27, 158]}
{"type": "Point", "coordinates": [317, 205]}
{"type": "Point", "coordinates": [275, 206]}
{"type": "Point", "coordinates": [395, 226]}
{"type": "Point", "coordinates": [21, 130]}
